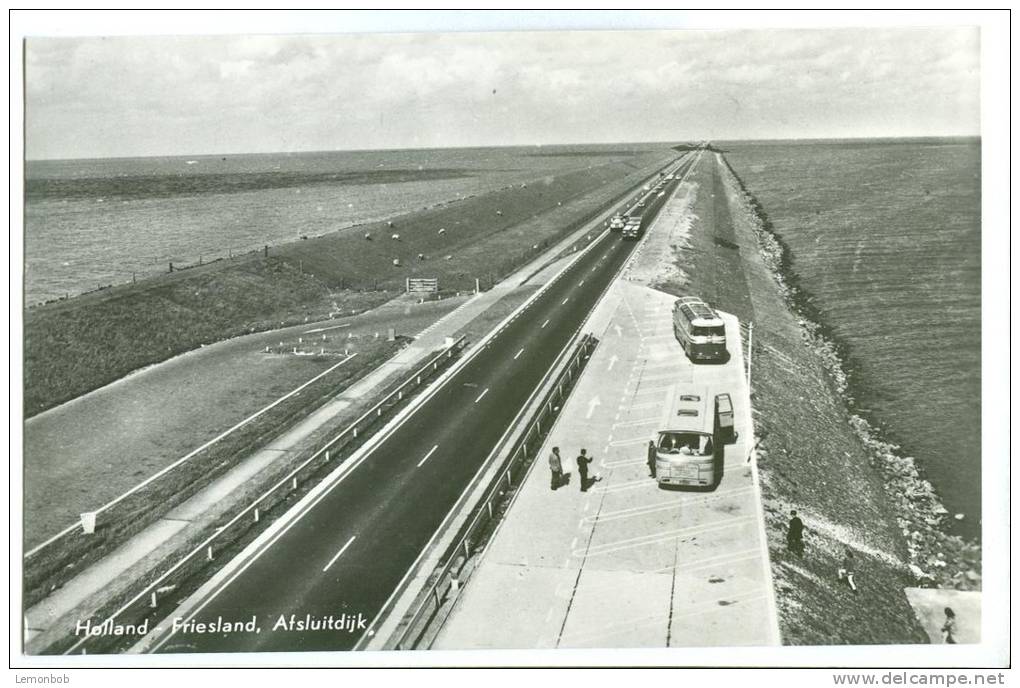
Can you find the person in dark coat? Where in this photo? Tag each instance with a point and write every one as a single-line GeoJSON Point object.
{"type": "Point", "coordinates": [949, 627]}
{"type": "Point", "coordinates": [582, 469]}
{"type": "Point", "coordinates": [556, 466]}
{"type": "Point", "coordinates": [651, 457]}
{"type": "Point", "coordinates": [795, 535]}
{"type": "Point", "coordinates": [846, 570]}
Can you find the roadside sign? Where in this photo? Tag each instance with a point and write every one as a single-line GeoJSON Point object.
{"type": "Point", "coordinates": [422, 285]}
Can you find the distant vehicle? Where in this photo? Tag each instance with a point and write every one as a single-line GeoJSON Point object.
{"type": "Point", "coordinates": [617, 223]}
{"type": "Point", "coordinates": [669, 177]}
{"type": "Point", "coordinates": [662, 193]}
{"type": "Point", "coordinates": [632, 230]}
{"type": "Point", "coordinates": [699, 329]}
{"type": "Point", "coordinates": [689, 446]}
{"type": "Point", "coordinates": [647, 187]}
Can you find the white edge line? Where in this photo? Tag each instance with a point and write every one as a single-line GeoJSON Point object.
{"type": "Point", "coordinates": [308, 502]}
{"type": "Point", "coordinates": [385, 610]}
{"type": "Point", "coordinates": [337, 555]}
{"type": "Point", "coordinates": [186, 457]}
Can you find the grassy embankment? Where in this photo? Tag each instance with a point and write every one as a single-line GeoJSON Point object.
{"type": "Point", "coordinates": [810, 457]}
{"type": "Point", "coordinates": [54, 565]}
{"type": "Point", "coordinates": [77, 345]}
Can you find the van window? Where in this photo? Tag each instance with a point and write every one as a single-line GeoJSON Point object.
{"type": "Point", "coordinates": [714, 331]}
{"type": "Point", "coordinates": [691, 443]}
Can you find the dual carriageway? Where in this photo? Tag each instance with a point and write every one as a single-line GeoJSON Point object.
{"type": "Point", "coordinates": [340, 555]}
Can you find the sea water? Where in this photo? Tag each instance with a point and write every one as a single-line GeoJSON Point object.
{"type": "Point", "coordinates": [885, 235]}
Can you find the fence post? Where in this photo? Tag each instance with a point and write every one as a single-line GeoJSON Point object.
{"type": "Point", "coordinates": [750, 351]}
{"type": "Point", "coordinates": [208, 552]}
{"type": "Point", "coordinates": [256, 514]}
{"type": "Point", "coordinates": [509, 483]}
{"type": "Point", "coordinates": [489, 505]}
{"type": "Point", "coordinates": [152, 600]}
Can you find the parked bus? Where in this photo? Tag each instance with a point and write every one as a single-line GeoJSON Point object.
{"type": "Point", "coordinates": [699, 329]}
{"type": "Point", "coordinates": [689, 447]}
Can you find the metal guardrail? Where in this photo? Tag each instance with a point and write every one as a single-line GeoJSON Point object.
{"type": "Point", "coordinates": [148, 599]}
{"type": "Point", "coordinates": [449, 578]}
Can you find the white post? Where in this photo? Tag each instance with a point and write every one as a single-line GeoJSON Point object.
{"type": "Point", "coordinates": [750, 351]}
{"type": "Point", "coordinates": [88, 522]}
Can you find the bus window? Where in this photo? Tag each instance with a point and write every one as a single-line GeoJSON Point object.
{"type": "Point", "coordinates": [703, 331]}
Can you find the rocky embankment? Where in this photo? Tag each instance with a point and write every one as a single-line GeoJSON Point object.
{"type": "Point", "coordinates": [936, 557]}
{"type": "Point", "coordinates": [815, 455]}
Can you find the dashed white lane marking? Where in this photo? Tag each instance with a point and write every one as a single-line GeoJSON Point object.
{"type": "Point", "coordinates": [323, 329]}
{"type": "Point", "coordinates": [484, 392]}
{"type": "Point", "coordinates": [337, 555]}
{"type": "Point", "coordinates": [565, 300]}
{"type": "Point", "coordinates": [517, 355]}
{"type": "Point", "coordinates": [580, 283]}
{"type": "Point", "coordinates": [432, 451]}
{"type": "Point", "coordinates": [545, 323]}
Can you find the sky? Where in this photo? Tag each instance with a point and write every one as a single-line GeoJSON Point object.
{"type": "Point", "coordinates": [158, 95]}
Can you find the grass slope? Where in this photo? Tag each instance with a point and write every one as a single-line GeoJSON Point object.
{"type": "Point", "coordinates": [75, 346]}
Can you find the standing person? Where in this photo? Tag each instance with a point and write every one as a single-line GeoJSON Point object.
{"type": "Point", "coordinates": [556, 466]}
{"type": "Point", "coordinates": [949, 627]}
{"type": "Point", "coordinates": [795, 534]}
{"type": "Point", "coordinates": [846, 571]}
{"type": "Point", "coordinates": [651, 457]}
{"type": "Point", "coordinates": [582, 469]}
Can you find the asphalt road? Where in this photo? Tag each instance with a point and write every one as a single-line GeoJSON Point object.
{"type": "Point", "coordinates": [349, 552]}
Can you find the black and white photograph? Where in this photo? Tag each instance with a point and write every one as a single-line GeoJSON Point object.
{"type": "Point", "coordinates": [511, 338]}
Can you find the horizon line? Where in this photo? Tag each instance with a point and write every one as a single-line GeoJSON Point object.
{"type": "Point", "coordinates": [519, 145]}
